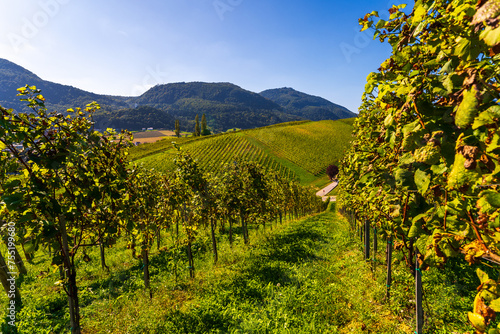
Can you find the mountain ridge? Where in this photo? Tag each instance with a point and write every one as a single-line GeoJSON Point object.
{"type": "Point", "coordinates": [305, 105]}
{"type": "Point", "coordinates": [226, 105]}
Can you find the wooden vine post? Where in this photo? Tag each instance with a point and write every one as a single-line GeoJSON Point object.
{"type": "Point", "coordinates": [361, 232]}
{"type": "Point", "coordinates": [367, 240]}
{"type": "Point", "coordinates": [418, 295]}
{"type": "Point", "coordinates": [389, 264]}
{"type": "Point", "coordinates": [375, 247]}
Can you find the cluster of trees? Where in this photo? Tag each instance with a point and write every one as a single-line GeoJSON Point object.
{"type": "Point", "coordinates": [203, 130]}
{"type": "Point", "coordinates": [67, 187]}
{"type": "Point", "coordinates": [424, 165]}
{"type": "Point", "coordinates": [198, 131]}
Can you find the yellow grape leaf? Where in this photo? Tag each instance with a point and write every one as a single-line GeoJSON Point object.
{"type": "Point", "coordinates": [491, 36]}
{"type": "Point", "coordinates": [477, 321]}
{"type": "Point", "coordinates": [483, 277]}
{"type": "Point", "coordinates": [473, 250]}
{"type": "Point", "coordinates": [420, 12]}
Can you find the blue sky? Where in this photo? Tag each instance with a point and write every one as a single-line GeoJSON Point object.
{"type": "Point", "coordinates": [125, 47]}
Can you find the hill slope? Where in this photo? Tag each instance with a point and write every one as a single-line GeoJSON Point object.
{"type": "Point", "coordinates": [58, 97]}
{"type": "Point", "coordinates": [299, 150]}
{"type": "Point", "coordinates": [306, 106]}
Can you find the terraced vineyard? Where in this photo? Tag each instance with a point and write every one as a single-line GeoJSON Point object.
{"type": "Point", "coordinates": [213, 152]}
{"type": "Point", "coordinates": [299, 150]}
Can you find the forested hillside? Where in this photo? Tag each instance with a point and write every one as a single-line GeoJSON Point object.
{"type": "Point", "coordinates": [307, 106]}
{"type": "Point", "coordinates": [226, 105]}
{"type": "Point", "coordinates": [59, 97]}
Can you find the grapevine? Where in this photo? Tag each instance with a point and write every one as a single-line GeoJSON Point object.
{"type": "Point", "coordinates": [424, 165]}
{"type": "Point", "coordinates": [68, 187]}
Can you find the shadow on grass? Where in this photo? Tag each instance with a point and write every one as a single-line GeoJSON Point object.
{"type": "Point", "coordinates": [293, 247]}
{"type": "Point", "coordinates": [463, 277]}
{"type": "Point", "coordinates": [271, 265]}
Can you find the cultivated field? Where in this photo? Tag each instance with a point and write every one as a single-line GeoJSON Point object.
{"type": "Point", "coordinates": [300, 149]}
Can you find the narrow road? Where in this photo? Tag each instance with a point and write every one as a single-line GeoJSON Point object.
{"type": "Point", "coordinates": [323, 192]}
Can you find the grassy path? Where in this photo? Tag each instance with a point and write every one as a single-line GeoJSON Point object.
{"type": "Point", "coordinates": [306, 276]}
{"type": "Point", "coordinates": [303, 278]}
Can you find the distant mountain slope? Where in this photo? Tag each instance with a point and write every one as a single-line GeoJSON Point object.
{"type": "Point", "coordinates": [306, 106]}
{"type": "Point", "coordinates": [226, 105]}
{"type": "Point", "coordinates": [134, 119]}
{"type": "Point", "coordinates": [58, 97]}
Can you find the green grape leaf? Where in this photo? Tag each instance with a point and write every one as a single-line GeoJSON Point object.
{"type": "Point", "coordinates": [422, 180]}
{"type": "Point", "coordinates": [491, 36]}
{"type": "Point", "coordinates": [494, 144]}
{"type": "Point", "coordinates": [447, 67]}
{"type": "Point", "coordinates": [462, 47]}
{"type": "Point", "coordinates": [452, 82]}
{"type": "Point", "coordinates": [389, 120]}
{"type": "Point", "coordinates": [404, 178]}
{"type": "Point", "coordinates": [487, 117]}
{"type": "Point", "coordinates": [428, 154]}
{"type": "Point", "coordinates": [467, 110]}
{"type": "Point", "coordinates": [380, 24]}
{"type": "Point", "coordinates": [407, 159]}
{"type": "Point", "coordinates": [415, 229]}
{"type": "Point", "coordinates": [459, 175]}
{"type": "Point", "coordinates": [493, 198]}
{"type": "Point", "coordinates": [495, 224]}
{"type": "Point", "coordinates": [439, 169]}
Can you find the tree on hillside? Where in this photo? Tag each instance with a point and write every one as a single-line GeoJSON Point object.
{"type": "Point", "coordinates": [332, 171]}
{"type": "Point", "coordinates": [204, 130]}
{"type": "Point", "coordinates": [177, 128]}
{"type": "Point", "coordinates": [197, 131]}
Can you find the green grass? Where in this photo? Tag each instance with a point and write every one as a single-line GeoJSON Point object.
{"type": "Point", "coordinates": [304, 276]}
{"type": "Point", "coordinates": [300, 150]}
